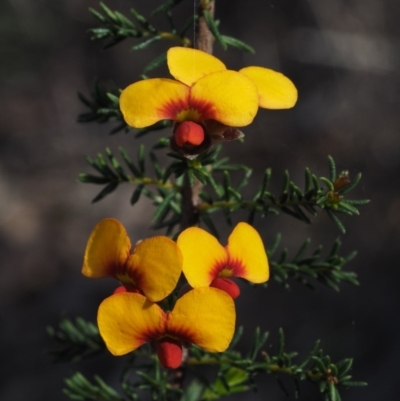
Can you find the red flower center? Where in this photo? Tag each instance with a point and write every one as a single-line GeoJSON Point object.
{"type": "Point", "coordinates": [189, 133]}
{"type": "Point", "coordinates": [169, 352]}
{"type": "Point", "coordinates": [229, 286]}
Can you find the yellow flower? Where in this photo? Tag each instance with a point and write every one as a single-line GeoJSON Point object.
{"type": "Point", "coordinates": [206, 100]}
{"type": "Point", "coordinates": [207, 263]}
{"type": "Point", "coordinates": [153, 268]}
{"type": "Point", "coordinates": [203, 316]}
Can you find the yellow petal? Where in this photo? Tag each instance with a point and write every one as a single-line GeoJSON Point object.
{"type": "Point", "coordinates": [228, 97]}
{"type": "Point", "coordinates": [203, 256]}
{"type": "Point", "coordinates": [146, 102]}
{"type": "Point", "coordinates": [246, 251]}
{"type": "Point", "coordinates": [155, 266]}
{"type": "Point", "coordinates": [188, 65]}
{"type": "Point", "coordinates": [107, 249]}
{"type": "Point", "coordinates": [205, 317]}
{"type": "Point", "coordinates": [126, 321]}
{"type": "Point", "coordinates": [276, 91]}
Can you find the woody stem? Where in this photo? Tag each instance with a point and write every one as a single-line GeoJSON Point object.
{"type": "Point", "coordinates": [190, 194]}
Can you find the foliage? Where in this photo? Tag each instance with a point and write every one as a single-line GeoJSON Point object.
{"type": "Point", "coordinates": [213, 178]}
{"type": "Point", "coordinates": [76, 340]}
{"type": "Point", "coordinates": [319, 193]}
{"type": "Point", "coordinates": [116, 27]}
{"type": "Point", "coordinates": [234, 372]}
{"type": "Point", "coordinates": [328, 271]}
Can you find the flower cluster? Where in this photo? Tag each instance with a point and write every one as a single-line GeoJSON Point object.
{"type": "Point", "coordinates": [206, 101]}
{"type": "Point", "coordinates": [204, 313]}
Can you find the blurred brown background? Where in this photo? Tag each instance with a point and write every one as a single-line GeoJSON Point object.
{"type": "Point", "coordinates": [343, 56]}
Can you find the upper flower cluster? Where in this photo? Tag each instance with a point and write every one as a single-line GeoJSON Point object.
{"type": "Point", "coordinates": [204, 315]}
{"type": "Point", "coordinates": [205, 100]}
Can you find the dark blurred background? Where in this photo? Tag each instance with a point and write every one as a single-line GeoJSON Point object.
{"type": "Point", "coordinates": [343, 57]}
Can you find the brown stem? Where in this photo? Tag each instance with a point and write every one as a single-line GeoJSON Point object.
{"type": "Point", "coordinates": [191, 195]}
{"type": "Point", "coordinates": [205, 39]}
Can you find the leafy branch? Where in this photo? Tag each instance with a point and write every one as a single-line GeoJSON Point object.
{"type": "Point", "coordinates": [322, 193]}
{"type": "Point", "coordinates": [319, 193]}
{"type": "Point", "coordinates": [236, 372]}
{"type": "Point", "coordinates": [328, 271]}
{"type": "Point", "coordinates": [116, 27]}
{"type": "Point", "coordinates": [79, 388]}
{"type": "Point", "coordinates": [77, 340]}
{"type": "Point", "coordinates": [166, 196]}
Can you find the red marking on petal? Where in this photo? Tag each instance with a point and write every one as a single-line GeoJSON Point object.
{"type": "Point", "coordinates": [183, 333]}
{"type": "Point", "coordinates": [224, 284]}
{"type": "Point", "coordinates": [171, 109]}
{"type": "Point", "coordinates": [189, 133]}
{"type": "Point", "coordinates": [227, 268]}
{"type": "Point", "coordinates": [154, 334]}
{"type": "Point", "coordinates": [169, 352]}
{"type": "Point", "coordinates": [205, 108]}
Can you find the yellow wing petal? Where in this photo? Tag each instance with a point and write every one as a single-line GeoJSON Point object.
{"type": "Point", "coordinates": [126, 321]}
{"type": "Point", "coordinates": [203, 256]}
{"type": "Point", "coordinates": [188, 65]}
{"type": "Point", "coordinates": [155, 265]}
{"type": "Point", "coordinates": [107, 249]}
{"type": "Point", "coordinates": [228, 97]}
{"type": "Point", "coordinates": [205, 317]}
{"type": "Point", "coordinates": [146, 102]}
{"type": "Point", "coordinates": [246, 250]}
{"type": "Point", "coordinates": [276, 91]}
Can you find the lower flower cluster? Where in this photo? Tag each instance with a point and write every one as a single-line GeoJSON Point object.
{"type": "Point", "coordinates": [203, 313]}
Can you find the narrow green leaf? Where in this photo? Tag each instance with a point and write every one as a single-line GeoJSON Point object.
{"type": "Point", "coordinates": [332, 392]}
{"type": "Point", "coordinates": [163, 207]}
{"type": "Point", "coordinates": [105, 191]}
{"type": "Point", "coordinates": [332, 169]}
{"type": "Point", "coordinates": [165, 7]}
{"type": "Point", "coordinates": [319, 363]}
{"type": "Point", "coordinates": [245, 179]}
{"type": "Point", "coordinates": [146, 43]}
{"type": "Point", "coordinates": [336, 220]}
{"type": "Point", "coordinates": [312, 353]}
{"type": "Point", "coordinates": [347, 207]}
{"type": "Point", "coordinates": [143, 21]}
{"type": "Point", "coordinates": [136, 194]}
{"type": "Point", "coordinates": [354, 384]}
{"type": "Point", "coordinates": [108, 12]}
{"type": "Point", "coordinates": [141, 158]}
{"type": "Point", "coordinates": [135, 171]}
{"type": "Point", "coordinates": [230, 41]}
{"type": "Point", "coordinates": [302, 250]}
{"type": "Point", "coordinates": [308, 180]}
{"type": "Point", "coordinates": [193, 391]}
{"type": "Point", "coordinates": [328, 183]}
{"type": "Point", "coordinates": [352, 185]}
{"type": "Point", "coordinates": [92, 179]}
{"type": "Point", "coordinates": [212, 26]}
{"type": "Point", "coordinates": [155, 63]}
{"type": "Point", "coordinates": [286, 182]}
{"type": "Point", "coordinates": [97, 15]}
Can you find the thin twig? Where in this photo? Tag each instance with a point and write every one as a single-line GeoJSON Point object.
{"type": "Point", "coordinates": [191, 195]}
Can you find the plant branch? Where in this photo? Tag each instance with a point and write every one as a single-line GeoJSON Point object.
{"type": "Point", "coordinates": [191, 193]}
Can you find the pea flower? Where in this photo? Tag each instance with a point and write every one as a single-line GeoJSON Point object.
{"type": "Point", "coordinates": [153, 268]}
{"type": "Point", "coordinates": [206, 101]}
{"type": "Point", "coordinates": [203, 316]}
{"type": "Point", "coordinates": [207, 263]}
